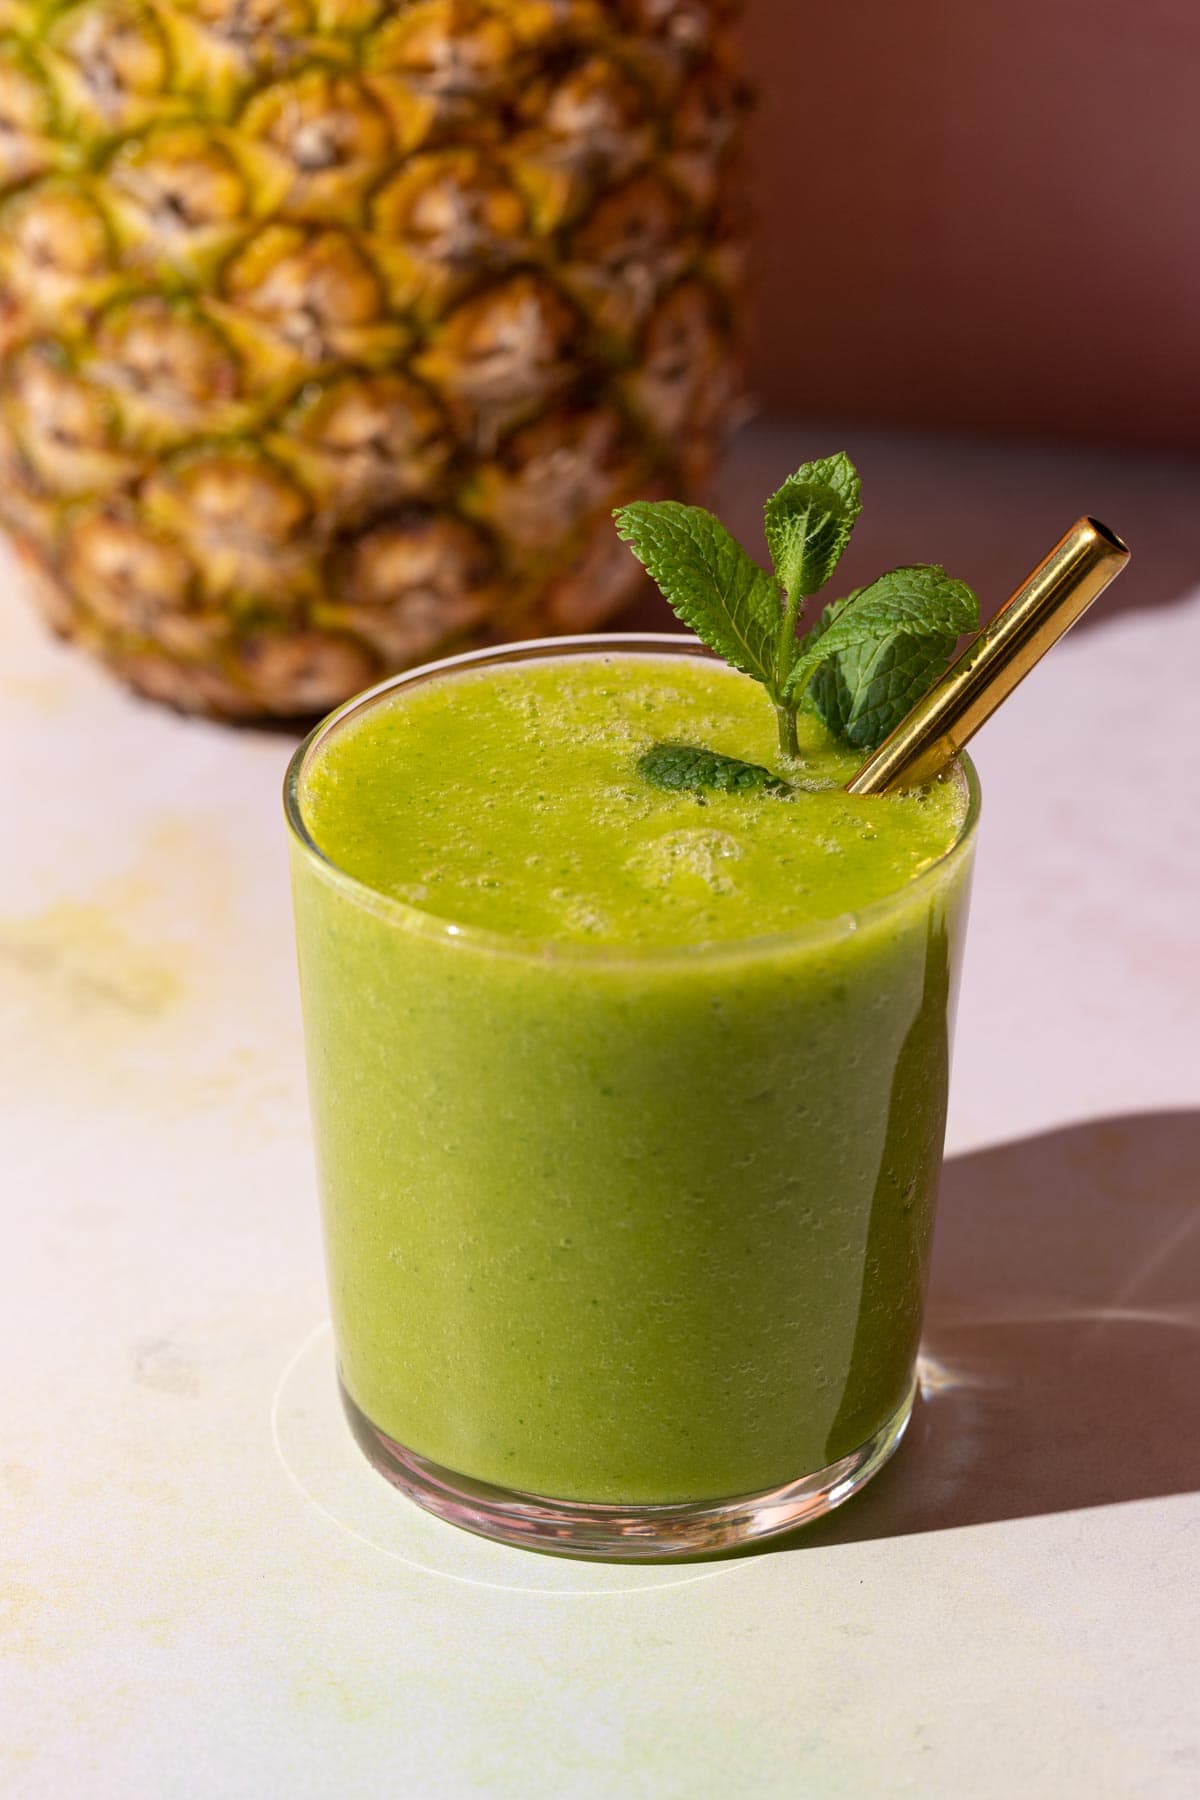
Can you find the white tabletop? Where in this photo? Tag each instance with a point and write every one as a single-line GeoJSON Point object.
{"type": "Point", "coordinates": [207, 1592]}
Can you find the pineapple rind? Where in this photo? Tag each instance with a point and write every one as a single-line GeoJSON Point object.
{"type": "Point", "coordinates": [332, 330]}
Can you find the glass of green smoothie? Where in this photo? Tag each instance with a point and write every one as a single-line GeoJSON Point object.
{"type": "Point", "coordinates": [628, 1099]}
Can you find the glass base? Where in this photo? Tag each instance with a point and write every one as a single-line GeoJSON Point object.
{"type": "Point", "coordinates": [614, 1533]}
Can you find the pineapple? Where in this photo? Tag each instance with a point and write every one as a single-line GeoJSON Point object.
{"type": "Point", "coordinates": [334, 330]}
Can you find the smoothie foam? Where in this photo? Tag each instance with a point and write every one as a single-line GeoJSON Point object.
{"type": "Point", "coordinates": [509, 799]}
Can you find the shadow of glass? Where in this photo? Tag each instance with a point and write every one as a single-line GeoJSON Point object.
{"type": "Point", "coordinates": [1062, 1336]}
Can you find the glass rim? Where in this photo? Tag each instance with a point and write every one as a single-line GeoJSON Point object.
{"type": "Point", "coordinates": [433, 925]}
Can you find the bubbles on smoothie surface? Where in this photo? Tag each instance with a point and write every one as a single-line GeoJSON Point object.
{"type": "Point", "coordinates": [696, 856]}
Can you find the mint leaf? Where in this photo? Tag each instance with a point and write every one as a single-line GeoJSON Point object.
{"type": "Point", "coordinates": [863, 694]}
{"type": "Point", "coordinates": [709, 581]}
{"type": "Point", "coordinates": [921, 602]}
{"type": "Point", "coordinates": [809, 521]}
{"type": "Point", "coordinates": [678, 766]}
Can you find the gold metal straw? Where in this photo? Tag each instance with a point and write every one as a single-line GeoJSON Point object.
{"type": "Point", "coordinates": [1059, 591]}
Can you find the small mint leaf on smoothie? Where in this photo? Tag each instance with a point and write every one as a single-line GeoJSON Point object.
{"type": "Point", "coordinates": [709, 581]}
{"type": "Point", "coordinates": [920, 602]}
{"type": "Point", "coordinates": [689, 766]}
{"type": "Point", "coordinates": [808, 522]}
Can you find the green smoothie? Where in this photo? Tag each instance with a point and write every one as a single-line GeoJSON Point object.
{"type": "Point", "coordinates": [628, 1103]}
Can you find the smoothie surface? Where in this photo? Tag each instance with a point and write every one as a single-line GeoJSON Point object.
{"type": "Point", "coordinates": [507, 798]}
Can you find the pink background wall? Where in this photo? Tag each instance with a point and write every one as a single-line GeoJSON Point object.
{"type": "Point", "coordinates": [981, 213]}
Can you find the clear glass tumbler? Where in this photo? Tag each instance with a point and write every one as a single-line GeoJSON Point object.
{"type": "Point", "coordinates": [626, 1247]}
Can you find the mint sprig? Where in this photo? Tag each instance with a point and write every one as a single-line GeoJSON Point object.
{"type": "Point", "coordinates": [871, 655]}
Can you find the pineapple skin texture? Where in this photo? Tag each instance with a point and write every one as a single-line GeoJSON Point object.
{"type": "Point", "coordinates": [332, 331]}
